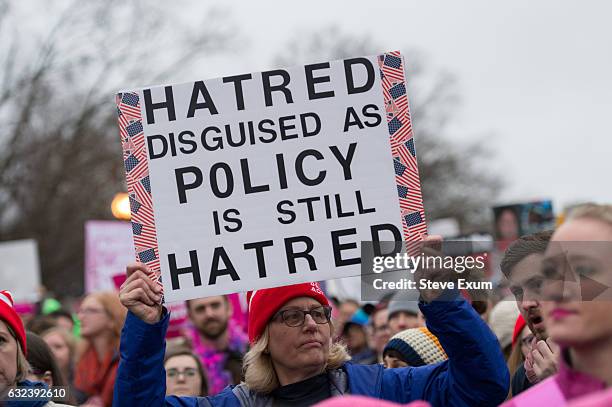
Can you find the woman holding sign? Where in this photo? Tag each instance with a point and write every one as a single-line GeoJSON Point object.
{"type": "Point", "coordinates": [294, 361]}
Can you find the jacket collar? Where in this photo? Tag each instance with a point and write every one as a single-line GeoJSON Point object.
{"type": "Point", "coordinates": [574, 383]}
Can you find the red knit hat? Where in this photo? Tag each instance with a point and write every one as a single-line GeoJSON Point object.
{"type": "Point", "coordinates": [263, 304]}
{"type": "Point", "coordinates": [10, 317]}
{"type": "Point", "coordinates": [518, 328]}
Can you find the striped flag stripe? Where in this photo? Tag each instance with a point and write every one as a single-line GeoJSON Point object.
{"type": "Point", "coordinates": [135, 157]}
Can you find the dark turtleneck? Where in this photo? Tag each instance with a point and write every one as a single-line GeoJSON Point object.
{"type": "Point", "coordinates": [304, 393]}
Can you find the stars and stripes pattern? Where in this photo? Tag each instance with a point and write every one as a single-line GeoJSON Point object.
{"type": "Point", "coordinates": [142, 191]}
{"type": "Point", "coordinates": [129, 104]}
{"type": "Point", "coordinates": [391, 68]}
{"type": "Point", "coordinates": [139, 186]}
{"type": "Point", "coordinates": [146, 233]}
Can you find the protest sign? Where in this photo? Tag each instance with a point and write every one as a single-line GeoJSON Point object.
{"type": "Point", "coordinates": [512, 221]}
{"type": "Point", "coordinates": [20, 270]}
{"type": "Point", "coordinates": [271, 178]}
{"type": "Point", "coordinates": [108, 249]}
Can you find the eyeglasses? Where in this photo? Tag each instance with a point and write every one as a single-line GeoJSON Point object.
{"type": "Point", "coordinates": [296, 317]}
{"type": "Point", "coordinates": [174, 373]}
{"type": "Point", "coordinates": [91, 311]}
{"type": "Point", "coordinates": [381, 328]}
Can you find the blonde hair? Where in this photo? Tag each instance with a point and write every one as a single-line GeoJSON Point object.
{"type": "Point", "coordinates": [516, 358]}
{"type": "Point", "coordinates": [115, 311]}
{"type": "Point", "coordinates": [592, 211]}
{"type": "Point", "coordinates": [113, 307]}
{"type": "Point", "coordinates": [259, 373]}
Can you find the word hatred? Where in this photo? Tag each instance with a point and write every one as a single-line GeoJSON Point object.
{"type": "Point", "coordinates": [296, 247]}
{"type": "Point", "coordinates": [316, 76]}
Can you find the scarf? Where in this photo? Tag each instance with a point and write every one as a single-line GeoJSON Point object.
{"type": "Point", "coordinates": [95, 377]}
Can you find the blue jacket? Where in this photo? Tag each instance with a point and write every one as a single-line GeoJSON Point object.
{"type": "Point", "coordinates": [474, 375]}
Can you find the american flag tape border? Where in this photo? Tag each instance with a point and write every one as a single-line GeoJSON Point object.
{"type": "Point", "coordinates": [403, 151]}
{"type": "Point", "coordinates": [139, 187]}
{"type": "Point", "coordinates": [391, 69]}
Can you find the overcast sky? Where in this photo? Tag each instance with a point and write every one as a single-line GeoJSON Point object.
{"type": "Point", "coordinates": [534, 74]}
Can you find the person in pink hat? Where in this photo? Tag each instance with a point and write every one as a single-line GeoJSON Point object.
{"type": "Point", "coordinates": [294, 361]}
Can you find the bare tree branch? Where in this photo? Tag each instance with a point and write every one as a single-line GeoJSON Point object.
{"type": "Point", "coordinates": [60, 154]}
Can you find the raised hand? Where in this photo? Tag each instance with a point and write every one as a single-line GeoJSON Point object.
{"type": "Point", "coordinates": [140, 295]}
{"type": "Point", "coordinates": [545, 357]}
{"type": "Point", "coordinates": [431, 246]}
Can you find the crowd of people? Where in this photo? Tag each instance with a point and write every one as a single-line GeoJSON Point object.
{"type": "Point", "coordinates": [548, 341]}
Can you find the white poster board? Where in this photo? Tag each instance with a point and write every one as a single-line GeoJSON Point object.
{"type": "Point", "coordinates": [20, 270]}
{"type": "Point", "coordinates": [270, 178]}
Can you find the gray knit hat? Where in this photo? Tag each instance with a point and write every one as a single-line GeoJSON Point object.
{"type": "Point", "coordinates": [407, 301]}
{"type": "Point", "coordinates": [412, 307]}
